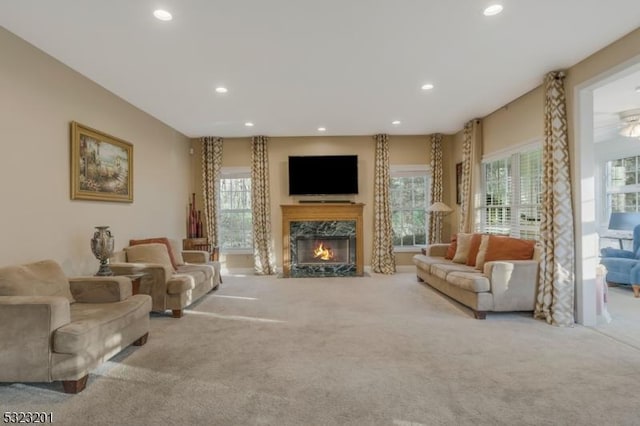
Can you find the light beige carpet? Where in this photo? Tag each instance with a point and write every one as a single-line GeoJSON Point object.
{"type": "Point", "coordinates": [377, 350]}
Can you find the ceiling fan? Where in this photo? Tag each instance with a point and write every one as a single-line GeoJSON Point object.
{"type": "Point", "coordinates": [630, 121]}
{"type": "Point", "coordinates": [624, 123]}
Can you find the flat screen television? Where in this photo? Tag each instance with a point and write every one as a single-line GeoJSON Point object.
{"type": "Point", "coordinates": [323, 175]}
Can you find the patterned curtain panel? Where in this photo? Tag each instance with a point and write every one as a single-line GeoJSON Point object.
{"type": "Point", "coordinates": [211, 164]}
{"type": "Point", "coordinates": [556, 282]}
{"type": "Point", "coordinates": [471, 153]}
{"type": "Point", "coordinates": [263, 250]}
{"type": "Point", "coordinates": [383, 260]}
{"type": "Point", "coordinates": [435, 226]}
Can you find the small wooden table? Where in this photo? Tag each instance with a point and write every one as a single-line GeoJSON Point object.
{"type": "Point", "coordinates": [201, 244]}
{"type": "Point", "coordinates": [135, 282]}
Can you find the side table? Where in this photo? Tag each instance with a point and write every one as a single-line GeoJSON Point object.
{"type": "Point", "coordinates": [135, 282]}
{"type": "Point", "coordinates": [201, 244]}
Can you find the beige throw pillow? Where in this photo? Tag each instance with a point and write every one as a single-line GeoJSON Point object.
{"type": "Point", "coordinates": [149, 253]}
{"type": "Point", "coordinates": [462, 251]}
{"type": "Point", "coordinates": [482, 251]}
{"type": "Point", "coordinates": [177, 252]}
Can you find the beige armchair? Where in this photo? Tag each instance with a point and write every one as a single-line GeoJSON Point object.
{"type": "Point", "coordinates": [59, 329]}
{"type": "Point", "coordinates": [170, 287]}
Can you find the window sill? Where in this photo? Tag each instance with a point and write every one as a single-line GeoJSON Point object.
{"type": "Point", "coordinates": [236, 251]}
{"type": "Point", "coordinates": [408, 249]}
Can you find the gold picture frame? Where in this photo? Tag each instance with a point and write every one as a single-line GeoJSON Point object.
{"type": "Point", "coordinates": [458, 183]}
{"type": "Point", "coordinates": [101, 166]}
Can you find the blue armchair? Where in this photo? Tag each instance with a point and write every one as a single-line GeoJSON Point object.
{"type": "Point", "coordinates": [623, 266]}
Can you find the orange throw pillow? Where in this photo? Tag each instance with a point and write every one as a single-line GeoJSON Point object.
{"type": "Point", "coordinates": [507, 248]}
{"type": "Point", "coordinates": [164, 241]}
{"type": "Point", "coordinates": [451, 251]}
{"type": "Point", "coordinates": [473, 249]}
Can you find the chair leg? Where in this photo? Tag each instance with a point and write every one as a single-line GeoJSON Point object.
{"type": "Point", "coordinates": [636, 290]}
{"type": "Point", "coordinates": [75, 386]}
{"type": "Point", "coordinates": [177, 313]}
{"type": "Point", "coordinates": [142, 340]}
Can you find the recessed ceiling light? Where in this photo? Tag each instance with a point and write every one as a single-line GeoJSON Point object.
{"type": "Point", "coordinates": [427, 86]}
{"type": "Point", "coordinates": [395, 122]}
{"type": "Point", "coordinates": [494, 9]}
{"type": "Point", "coordinates": [638, 89]}
{"type": "Point", "coordinates": [162, 15]}
{"type": "Point", "coordinates": [221, 89]}
{"type": "Point", "coordinates": [248, 124]}
{"type": "Point", "coordinates": [322, 129]}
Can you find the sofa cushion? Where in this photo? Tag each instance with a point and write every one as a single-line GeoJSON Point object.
{"type": "Point", "coordinates": [181, 283]}
{"type": "Point", "coordinates": [451, 251]}
{"type": "Point", "coordinates": [470, 281]}
{"type": "Point", "coordinates": [160, 240]}
{"type": "Point", "coordinates": [149, 253]}
{"type": "Point", "coordinates": [207, 269]}
{"type": "Point", "coordinates": [508, 248]}
{"type": "Point", "coordinates": [462, 250]}
{"type": "Point", "coordinates": [424, 262]}
{"type": "Point", "coordinates": [441, 270]}
{"type": "Point", "coordinates": [95, 326]}
{"type": "Point", "coordinates": [43, 278]}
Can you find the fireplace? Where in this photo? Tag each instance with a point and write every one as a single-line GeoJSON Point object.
{"type": "Point", "coordinates": [323, 248]}
{"type": "Point", "coordinates": [322, 240]}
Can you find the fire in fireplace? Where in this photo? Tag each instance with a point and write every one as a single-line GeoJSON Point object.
{"type": "Point", "coordinates": [323, 253]}
{"type": "Point", "coordinates": [327, 250]}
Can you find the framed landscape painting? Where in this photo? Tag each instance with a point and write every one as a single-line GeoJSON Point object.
{"type": "Point", "coordinates": [101, 166]}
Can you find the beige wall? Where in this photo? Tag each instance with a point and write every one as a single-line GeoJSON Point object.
{"type": "Point", "coordinates": [39, 97]}
{"type": "Point", "coordinates": [517, 122]}
{"type": "Point", "coordinates": [237, 152]}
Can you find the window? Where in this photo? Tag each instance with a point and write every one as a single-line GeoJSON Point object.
{"type": "Point", "coordinates": [235, 210]}
{"type": "Point", "coordinates": [512, 189]}
{"type": "Point", "coordinates": [409, 196]}
{"type": "Point", "coordinates": [623, 185]}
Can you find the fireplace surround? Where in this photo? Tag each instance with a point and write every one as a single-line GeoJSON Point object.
{"type": "Point", "coordinates": [321, 240]}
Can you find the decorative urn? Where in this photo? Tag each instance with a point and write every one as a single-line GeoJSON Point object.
{"type": "Point", "coordinates": [102, 248]}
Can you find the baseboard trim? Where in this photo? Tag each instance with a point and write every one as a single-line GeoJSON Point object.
{"type": "Point", "coordinates": [250, 271]}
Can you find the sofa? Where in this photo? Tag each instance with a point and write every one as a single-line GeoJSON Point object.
{"type": "Point", "coordinates": [55, 328]}
{"type": "Point", "coordinates": [623, 266]}
{"type": "Point", "coordinates": [173, 278]}
{"type": "Point", "coordinates": [487, 273]}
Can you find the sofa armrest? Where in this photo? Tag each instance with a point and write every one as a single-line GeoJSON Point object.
{"type": "Point", "coordinates": [436, 250]}
{"type": "Point", "coordinates": [153, 282]}
{"type": "Point", "coordinates": [100, 289]}
{"type": "Point", "coordinates": [617, 253]}
{"type": "Point", "coordinates": [513, 284]}
{"type": "Point", "coordinates": [27, 325]}
{"type": "Point", "coordinates": [196, 256]}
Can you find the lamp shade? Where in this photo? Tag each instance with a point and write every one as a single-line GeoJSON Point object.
{"type": "Point", "coordinates": [439, 207]}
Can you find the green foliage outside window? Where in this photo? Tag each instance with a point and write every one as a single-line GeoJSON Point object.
{"type": "Point", "coordinates": [408, 197]}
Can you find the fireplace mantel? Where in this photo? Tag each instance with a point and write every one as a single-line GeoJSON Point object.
{"type": "Point", "coordinates": [319, 212]}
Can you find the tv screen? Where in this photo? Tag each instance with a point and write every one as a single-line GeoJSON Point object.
{"type": "Point", "coordinates": [323, 175]}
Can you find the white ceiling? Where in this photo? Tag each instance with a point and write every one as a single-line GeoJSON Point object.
{"type": "Point", "coordinates": [291, 66]}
